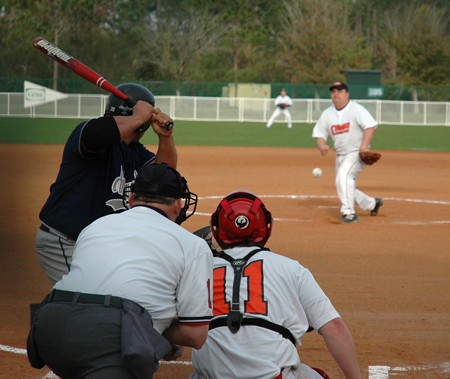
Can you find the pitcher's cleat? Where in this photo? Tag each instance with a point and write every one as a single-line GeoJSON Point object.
{"type": "Point", "coordinates": [350, 218]}
{"type": "Point", "coordinates": [378, 204]}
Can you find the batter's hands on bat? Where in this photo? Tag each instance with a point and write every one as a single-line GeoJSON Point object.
{"type": "Point", "coordinates": [133, 127]}
{"type": "Point", "coordinates": [143, 110]}
{"type": "Point", "coordinates": [160, 121]}
{"type": "Point", "coordinates": [174, 354]}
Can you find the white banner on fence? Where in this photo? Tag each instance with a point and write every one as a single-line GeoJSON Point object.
{"type": "Point", "coordinates": [34, 94]}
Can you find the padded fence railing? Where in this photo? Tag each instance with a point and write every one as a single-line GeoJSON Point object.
{"type": "Point", "coordinates": [190, 108]}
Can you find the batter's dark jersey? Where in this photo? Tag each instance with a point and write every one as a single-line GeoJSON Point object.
{"type": "Point", "coordinates": [89, 187]}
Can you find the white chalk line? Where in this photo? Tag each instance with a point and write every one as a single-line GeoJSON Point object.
{"type": "Point", "coordinates": [379, 372]}
{"type": "Point", "coordinates": [187, 363]}
{"type": "Point", "coordinates": [420, 222]}
{"type": "Point", "coordinates": [335, 197]}
{"type": "Point", "coordinates": [17, 350]}
{"type": "Point", "coordinates": [375, 372]}
{"type": "Point", "coordinates": [51, 375]}
{"type": "Point", "coordinates": [445, 367]}
{"type": "Point", "coordinates": [439, 202]}
{"type": "Point", "coordinates": [382, 372]}
{"type": "Point", "coordinates": [14, 350]}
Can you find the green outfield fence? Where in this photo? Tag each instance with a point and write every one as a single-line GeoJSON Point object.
{"type": "Point", "coordinates": [222, 89]}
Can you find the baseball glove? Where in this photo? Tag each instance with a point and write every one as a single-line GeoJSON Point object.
{"type": "Point", "coordinates": [369, 158]}
{"type": "Point", "coordinates": [282, 106]}
{"type": "Point", "coordinates": [206, 234]}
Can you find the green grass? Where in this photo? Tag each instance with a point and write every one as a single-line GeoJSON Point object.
{"type": "Point", "coordinates": [35, 130]}
{"type": "Point", "coordinates": [391, 137]}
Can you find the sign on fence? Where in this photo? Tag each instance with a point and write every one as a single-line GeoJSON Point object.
{"type": "Point", "coordinates": [34, 94]}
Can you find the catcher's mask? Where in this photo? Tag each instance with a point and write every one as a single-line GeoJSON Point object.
{"type": "Point", "coordinates": [241, 217]}
{"type": "Point", "coordinates": [116, 106]}
{"type": "Point", "coordinates": [159, 181]}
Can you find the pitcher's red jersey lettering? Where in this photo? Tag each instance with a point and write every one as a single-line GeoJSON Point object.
{"type": "Point", "coordinates": [340, 129]}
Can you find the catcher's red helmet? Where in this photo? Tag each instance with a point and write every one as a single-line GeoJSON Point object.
{"type": "Point", "coordinates": [241, 216]}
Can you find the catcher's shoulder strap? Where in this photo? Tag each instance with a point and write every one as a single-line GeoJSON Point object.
{"type": "Point", "coordinates": [235, 318]}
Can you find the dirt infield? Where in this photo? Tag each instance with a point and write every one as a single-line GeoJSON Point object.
{"type": "Point", "coordinates": [388, 276]}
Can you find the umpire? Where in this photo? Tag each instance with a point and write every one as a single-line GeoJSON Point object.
{"type": "Point", "coordinates": [138, 290]}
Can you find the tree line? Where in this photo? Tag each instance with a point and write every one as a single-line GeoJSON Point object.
{"type": "Point", "coordinates": [261, 41]}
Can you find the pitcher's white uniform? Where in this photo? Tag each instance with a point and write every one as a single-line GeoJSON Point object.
{"type": "Point", "coordinates": [255, 352]}
{"type": "Point", "coordinates": [280, 100]}
{"type": "Point", "coordinates": [346, 128]}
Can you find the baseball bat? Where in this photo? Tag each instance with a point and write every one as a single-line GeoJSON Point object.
{"type": "Point", "coordinates": [82, 70]}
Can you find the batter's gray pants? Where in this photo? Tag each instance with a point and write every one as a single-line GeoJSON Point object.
{"type": "Point", "coordinates": [54, 251]}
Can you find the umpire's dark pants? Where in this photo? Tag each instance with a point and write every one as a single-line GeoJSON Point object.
{"type": "Point", "coordinates": [93, 341]}
{"type": "Point", "coordinates": [75, 341]}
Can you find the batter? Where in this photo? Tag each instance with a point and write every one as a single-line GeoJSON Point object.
{"type": "Point", "coordinates": [100, 158]}
{"type": "Point", "coordinates": [351, 128]}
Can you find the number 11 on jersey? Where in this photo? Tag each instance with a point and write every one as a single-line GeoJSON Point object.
{"type": "Point", "coordinates": [254, 288]}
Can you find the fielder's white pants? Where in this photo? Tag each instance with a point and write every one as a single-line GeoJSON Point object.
{"type": "Point", "coordinates": [302, 371]}
{"type": "Point", "coordinates": [276, 113]}
{"type": "Point", "coordinates": [347, 168]}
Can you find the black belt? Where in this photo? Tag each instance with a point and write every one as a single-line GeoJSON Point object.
{"type": "Point", "coordinates": [44, 228]}
{"type": "Point", "coordinates": [78, 297]}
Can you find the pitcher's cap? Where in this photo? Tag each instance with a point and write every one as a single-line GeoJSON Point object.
{"type": "Point", "coordinates": [339, 85]}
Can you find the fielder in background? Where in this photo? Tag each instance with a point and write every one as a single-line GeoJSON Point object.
{"type": "Point", "coordinates": [282, 103]}
{"type": "Point", "coordinates": [264, 303]}
{"type": "Point", "coordinates": [129, 271]}
{"type": "Point", "coordinates": [351, 128]}
{"type": "Point", "coordinates": [100, 158]}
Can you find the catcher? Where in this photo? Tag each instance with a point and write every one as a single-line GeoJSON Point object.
{"type": "Point", "coordinates": [351, 127]}
{"type": "Point", "coordinates": [263, 303]}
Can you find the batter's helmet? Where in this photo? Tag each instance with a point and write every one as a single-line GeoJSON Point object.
{"type": "Point", "coordinates": [116, 106]}
{"type": "Point", "coordinates": [161, 180]}
{"type": "Point", "coordinates": [241, 217]}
